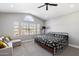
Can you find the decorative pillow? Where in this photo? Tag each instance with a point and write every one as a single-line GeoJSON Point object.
{"type": "Point", "coordinates": [6, 40]}
{"type": "Point", "coordinates": [8, 37]}
{"type": "Point", "coordinates": [3, 45]}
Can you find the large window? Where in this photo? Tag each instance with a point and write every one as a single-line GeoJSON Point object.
{"type": "Point", "coordinates": [26, 29]}
{"type": "Point", "coordinates": [30, 29]}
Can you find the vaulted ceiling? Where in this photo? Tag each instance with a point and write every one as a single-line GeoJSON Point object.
{"type": "Point", "coordinates": [61, 9]}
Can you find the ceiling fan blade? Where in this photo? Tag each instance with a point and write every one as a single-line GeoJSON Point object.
{"type": "Point", "coordinates": [41, 6]}
{"type": "Point", "coordinates": [46, 7]}
{"type": "Point", "coordinates": [53, 4]}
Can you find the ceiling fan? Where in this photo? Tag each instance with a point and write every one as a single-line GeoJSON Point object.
{"type": "Point", "coordinates": [47, 4]}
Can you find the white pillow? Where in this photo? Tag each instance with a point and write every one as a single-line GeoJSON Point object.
{"type": "Point", "coordinates": [1, 38]}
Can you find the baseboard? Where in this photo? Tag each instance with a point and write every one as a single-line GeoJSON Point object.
{"type": "Point", "coordinates": [27, 41]}
{"type": "Point", "coordinates": [75, 46]}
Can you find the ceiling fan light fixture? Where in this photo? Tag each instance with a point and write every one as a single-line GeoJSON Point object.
{"type": "Point", "coordinates": [48, 4]}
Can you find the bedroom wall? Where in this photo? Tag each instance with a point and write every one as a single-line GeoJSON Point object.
{"type": "Point", "coordinates": [7, 23]}
{"type": "Point", "coordinates": [67, 23]}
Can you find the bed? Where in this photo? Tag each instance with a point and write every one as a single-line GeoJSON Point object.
{"type": "Point", "coordinates": [54, 42]}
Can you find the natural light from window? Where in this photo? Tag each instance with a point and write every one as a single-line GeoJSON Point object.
{"type": "Point", "coordinates": [28, 18]}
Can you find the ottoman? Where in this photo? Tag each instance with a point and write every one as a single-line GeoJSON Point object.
{"type": "Point", "coordinates": [16, 43]}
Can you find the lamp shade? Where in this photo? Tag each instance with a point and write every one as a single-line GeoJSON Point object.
{"type": "Point", "coordinates": [43, 27]}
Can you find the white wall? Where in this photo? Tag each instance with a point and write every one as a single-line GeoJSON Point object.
{"type": "Point", "coordinates": [68, 23]}
{"type": "Point", "coordinates": [7, 23]}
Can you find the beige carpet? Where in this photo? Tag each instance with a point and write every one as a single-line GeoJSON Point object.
{"type": "Point", "coordinates": [32, 49]}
